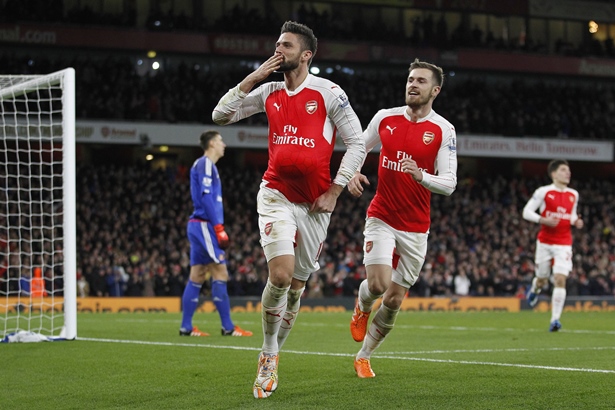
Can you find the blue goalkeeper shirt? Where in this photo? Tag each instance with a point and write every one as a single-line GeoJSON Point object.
{"type": "Point", "coordinates": [206, 190]}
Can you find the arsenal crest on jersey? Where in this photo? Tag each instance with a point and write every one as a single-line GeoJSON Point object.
{"type": "Point", "coordinates": [368, 246]}
{"type": "Point", "coordinates": [311, 106]}
{"type": "Point", "coordinates": [428, 137]}
{"type": "Point", "coordinates": [268, 228]}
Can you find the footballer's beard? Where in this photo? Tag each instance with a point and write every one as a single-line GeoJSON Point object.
{"type": "Point", "coordinates": [288, 65]}
{"type": "Point", "coordinates": [417, 102]}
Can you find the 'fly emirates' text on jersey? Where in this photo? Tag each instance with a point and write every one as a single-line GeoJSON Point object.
{"type": "Point", "coordinates": [302, 129]}
{"type": "Point", "coordinates": [400, 201]}
{"type": "Point", "coordinates": [552, 201]}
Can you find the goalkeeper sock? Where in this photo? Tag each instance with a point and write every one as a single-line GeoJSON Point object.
{"type": "Point", "coordinates": [219, 295]}
{"type": "Point", "coordinates": [190, 301]}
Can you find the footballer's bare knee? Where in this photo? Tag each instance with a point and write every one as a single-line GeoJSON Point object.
{"type": "Point", "coordinates": [378, 278]}
{"type": "Point", "coordinates": [559, 280]}
{"type": "Point", "coordinates": [281, 270]}
{"type": "Point", "coordinates": [377, 287]}
{"type": "Point", "coordinates": [394, 296]}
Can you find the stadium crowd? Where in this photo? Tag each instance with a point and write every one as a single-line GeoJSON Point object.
{"type": "Point", "coordinates": [111, 87]}
{"type": "Point", "coordinates": [132, 240]}
{"type": "Point", "coordinates": [131, 223]}
{"type": "Point", "coordinates": [186, 88]}
{"type": "Point", "coordinates": [429, 29]}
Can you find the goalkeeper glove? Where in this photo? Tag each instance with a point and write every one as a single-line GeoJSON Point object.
{"type": "Point", "coordinates": [222, 237]}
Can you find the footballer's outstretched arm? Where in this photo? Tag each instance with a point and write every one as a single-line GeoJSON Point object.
{"type": "Point", "coordinates": [236, 105]}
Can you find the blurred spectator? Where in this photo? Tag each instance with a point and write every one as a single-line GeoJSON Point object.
{"type": "Point", "coordinates": [462, 283]}
{"type": "Point", "coordinates": [83, 287]}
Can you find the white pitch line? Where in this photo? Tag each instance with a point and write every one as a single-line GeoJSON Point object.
{"type": "Point", "coordinates": [382, 356]}
{"type": "Point", "coordinates": [527, 366]}
{"type": "Point", "coordinates": [547, 349]}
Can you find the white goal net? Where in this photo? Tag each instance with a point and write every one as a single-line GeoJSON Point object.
{"type": "Point", "coordinates": [37, 205]}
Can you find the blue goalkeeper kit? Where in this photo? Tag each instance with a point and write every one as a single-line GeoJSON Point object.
{"type": "Point", "coordinates": [206, 191]}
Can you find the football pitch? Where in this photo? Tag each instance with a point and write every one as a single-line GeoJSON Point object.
{"type": "Point", "coordinates": [431, 360]}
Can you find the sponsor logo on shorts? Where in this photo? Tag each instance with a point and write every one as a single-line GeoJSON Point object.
{"type": "Point", "coordinates": [368, 246]}
{"type": "Point", "coordinates": [268, 228]}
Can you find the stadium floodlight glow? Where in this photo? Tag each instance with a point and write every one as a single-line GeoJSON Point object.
{"type": "Point", "coordinates": [315, 70]}
{"type": "Point", "coordinates": [151, 54]}
{"type": "Point", "coordinates": [593, 27]}
{"type": "Point", "coordinates": [155, 65]}
{"type": "Point", "coordinates": [37, 147]}
{"type": "Point", "coordinates": [164, 148]}
{"type": "Point", "coordinates": [149, 157]}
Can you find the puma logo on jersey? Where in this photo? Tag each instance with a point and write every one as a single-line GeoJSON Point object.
{"type": "Point", "coordinates": [275, 104]}
{"type": "Point", "coordinates": [391, 129]}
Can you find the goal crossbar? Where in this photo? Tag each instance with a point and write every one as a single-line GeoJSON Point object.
{"type": "Point", "coordinates": [31, 83]}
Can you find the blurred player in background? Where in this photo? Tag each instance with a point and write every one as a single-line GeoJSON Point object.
{"type": "Point", "coordinates": [418, 157]}
{"type": "Point", "coordinates": [557, 205]}
{"type": "Point", "coordinates": [296, 196]}
{"type": "Point", "coordinates": [207, 240]}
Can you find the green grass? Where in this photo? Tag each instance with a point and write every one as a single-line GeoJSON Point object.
{"type": "Point", "coordinates": [430, 361]}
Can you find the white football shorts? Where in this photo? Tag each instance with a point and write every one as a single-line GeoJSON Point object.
{"type": "Point", "coordinates": [558, 256]}
{"type": "Point", "coordinates": [403, 251]}
{"type": "Point", "coordinates": [282, 223]}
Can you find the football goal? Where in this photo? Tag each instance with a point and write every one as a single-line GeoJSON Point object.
{"type": "Point", "coordinates": [38, 205]}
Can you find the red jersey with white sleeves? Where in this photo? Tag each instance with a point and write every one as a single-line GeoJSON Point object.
{"type": "Point", "coordinates": [302, 129]}
{"type": "Point", "coordinates": [400, 201]}
{"type": "Point", "coordinates": [553, 201]}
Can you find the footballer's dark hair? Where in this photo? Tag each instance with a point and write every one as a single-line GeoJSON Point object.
{"type": "Point", "coordinates": [438, 74]}
{"type": "Point", "coordinates": [306, 36]}
{"type": "Point", "coordinates": [554, 165]}
{"type": "Point", "coordinates": [206, 137]}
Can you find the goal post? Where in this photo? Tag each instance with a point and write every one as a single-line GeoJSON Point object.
{"type": "Point", "coordinates": [38, 234]}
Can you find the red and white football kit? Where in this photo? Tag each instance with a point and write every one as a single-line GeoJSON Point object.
{"type": "Point", "coordinates": [553, 243]}
{"type": "Point", "coordinates": [303, 126]}
{"type": "Point", "coordinates": [398, 218]}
